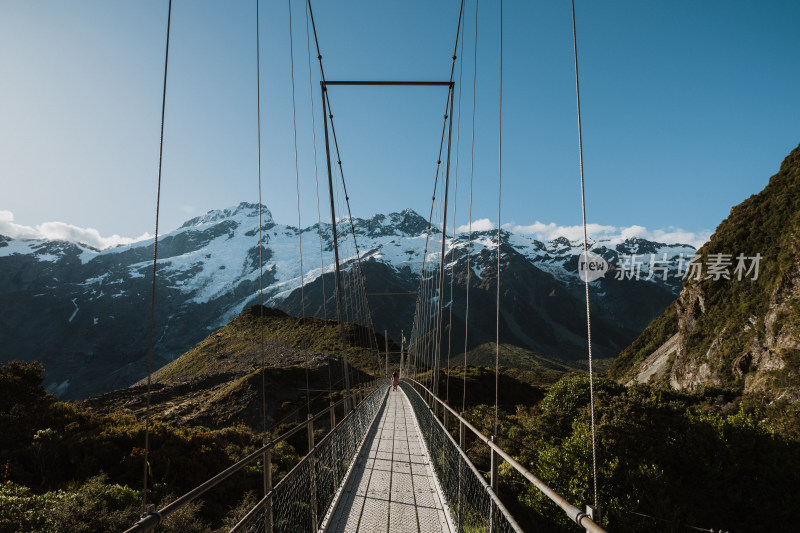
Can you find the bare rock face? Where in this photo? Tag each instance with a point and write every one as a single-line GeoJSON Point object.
{"type": "Point", "coordinates": [754, 368]}
{"type": "Point", "coordinates": [658, 364]}
{"type": "Point", "coordinates": [785, 297]}
{"type": "Point", "coordinates": [689, 370]}
{"type": "Point", "coordinates": [692, 370]}
{"type": "Point", "coordinates": [690, 305]}
{"type": "Point", "coordinates": [767, 355]}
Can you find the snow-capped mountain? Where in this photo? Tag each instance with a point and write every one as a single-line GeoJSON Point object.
{"type": "Point", "coordinates": [85, 313]}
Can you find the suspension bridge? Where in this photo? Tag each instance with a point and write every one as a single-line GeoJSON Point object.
{"type": "Point", "coordinates": [388, 460]}
{"type": "Point", "coordinates": [390, 464]}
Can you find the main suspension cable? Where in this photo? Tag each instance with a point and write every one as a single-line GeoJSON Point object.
{"type": "Point", "coordinates": [586, 258]}
{"type": "Point", "coordinates": [455, 214]}
{"type": "Point", "coordinates": [442, 272]}
{"type": "Point", "coordinates": [155, 265]}
{"type": "Point", "coordinates": [316, 176]}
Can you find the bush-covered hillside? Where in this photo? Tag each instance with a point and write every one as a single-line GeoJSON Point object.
{"type": "Point", "coordinates": [66, 469]}
{"type": "Point", "coordinates": [738, 333]}
{"type": "Point", "coordinates": [223, 380]}
{"type": "Point", "coordinates": [704, 459]}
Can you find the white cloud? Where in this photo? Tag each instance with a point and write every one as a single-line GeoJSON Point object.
{"type": "Point", "coordinates": [61, 231]}
{"type": "Point", "coordinates": [482, 224]}
{"type": "Point", "coordinates": [615, 234]}
{"type": "Point", "coordinates": [550, 231]}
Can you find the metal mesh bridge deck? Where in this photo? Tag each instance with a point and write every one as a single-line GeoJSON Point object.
{"type": "Point", "coordinates": [392, 486]}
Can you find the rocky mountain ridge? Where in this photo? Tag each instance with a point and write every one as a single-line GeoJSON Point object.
{"type": "Point", "coordinates": [84, 312]}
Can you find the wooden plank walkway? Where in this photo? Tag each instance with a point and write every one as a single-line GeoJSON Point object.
{"type": "Point", "coordinates": [392, 487]}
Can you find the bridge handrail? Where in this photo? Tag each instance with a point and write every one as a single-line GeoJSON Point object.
{"type": "Point", "coordinates": [488, 488]}
{"type": "Point", "coordinates": [574, 513]}
{"type": "Point", "coordinates": [153, 519]}
{"type": "Point", "coordinates": [296, 467]}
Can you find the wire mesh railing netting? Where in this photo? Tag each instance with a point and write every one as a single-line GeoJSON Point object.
{"type": "Point", "coordinates": [471, 506]}
{"type": "Point", "coordinates": [301, 499]}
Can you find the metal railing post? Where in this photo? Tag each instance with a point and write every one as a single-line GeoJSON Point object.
{"type": "Point", "coordinates": [268, 490]}
{"type": "Point", "coordinates": [594, 514]}
{"type": "Point", "coordinates": [402, 361]}
{"type": "Point", "coordinates": [461, 442]}
{"type": "Point", "coordinates": [495, 459]}
{"type": "Point", "coordinates": [336, 469]}
{"type": "Point", "coordinates": [494, 482]}
{"type": "Point", "coordinates": [312, 464]}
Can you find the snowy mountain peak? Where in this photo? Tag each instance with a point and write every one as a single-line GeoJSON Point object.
{"type": "Point", "coordinates": [561, 242]}
{"type": "Point", "coordinates": [405, 223]}
{"type": "Point", "coordinates": [244, 210]}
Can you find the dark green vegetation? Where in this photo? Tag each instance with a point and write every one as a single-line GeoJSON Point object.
{"type": "Point", "coordinates": [549, 369]}
{"type": "Point", "coordinates": [704, 459]}
{"type": "Point", "coordinates": [518, 387]}
{"type": "Point", "coordinates": [63, 468]}
{"type": "Point", "coordinates": [67, 469]}
{"type": "Point", "coordinates": [746, 332]}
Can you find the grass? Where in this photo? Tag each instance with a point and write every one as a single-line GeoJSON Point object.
{"type": "Point", "coordinates": [238, 345]}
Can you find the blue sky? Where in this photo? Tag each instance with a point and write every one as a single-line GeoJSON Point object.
{"type": "Point", "coordinates": [688, 108]}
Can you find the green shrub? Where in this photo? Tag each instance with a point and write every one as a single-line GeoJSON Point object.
{"type": "Point", "coordinates": [674, 456]}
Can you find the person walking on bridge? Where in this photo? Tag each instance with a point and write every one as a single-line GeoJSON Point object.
{"type": "Point", "coordinates": [395, 380]}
